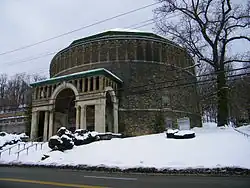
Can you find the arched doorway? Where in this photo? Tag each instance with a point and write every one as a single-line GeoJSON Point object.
{"type": "Point", "coordinates": [109, 114]}
{"type": "Point", "coordinates": [65, 112]}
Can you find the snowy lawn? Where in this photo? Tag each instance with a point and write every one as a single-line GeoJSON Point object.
{"type": "Point", "coordinates": [211, 148]}
{"type": "Point", "coordinates": [245, 129]}
{"type": "Point", "coordinates": [8, 139]}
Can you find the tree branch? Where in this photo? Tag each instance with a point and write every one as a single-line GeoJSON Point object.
{"type": "Point", "coordinates": [236, 60]}
{"type": "Point", "coordinates": [237, 38]}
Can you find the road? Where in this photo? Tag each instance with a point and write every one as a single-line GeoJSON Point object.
{"type": "Point", "coordinates": [14, 177]}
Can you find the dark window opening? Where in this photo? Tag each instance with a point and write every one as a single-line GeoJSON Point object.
{"type": "Point", "coordinates": [140, 53]}
{"type": "Point", "coordinates": [148, 52]}
{"type": "Point", "coordinates": [75, 83]}
{"type": "Point", "coordinates": [107, 82]}
{"type": "Point", "coordinates": [80, 83]}
{"type": "Point", "coordinates": [86, 85]}
{"type": "Point", "coordinates": [91, 84]}
{"type": "Point", "coordinates": [97, 86]}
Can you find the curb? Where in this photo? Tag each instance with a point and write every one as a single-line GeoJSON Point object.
{"type": "Point", "coordinates": [227, 171]}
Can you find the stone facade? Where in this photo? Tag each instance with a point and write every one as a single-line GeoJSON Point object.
{"type": "Point", "coordinates": [13, 120]}
{"type": "Point", "coordinates": [157, 76]}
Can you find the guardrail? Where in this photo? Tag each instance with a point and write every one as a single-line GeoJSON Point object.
{"type": "Point", "coordinates": [9, 149]}
{"type": "Point", "coordinates": [27, 148]}
{"type": "Point", "coordinates": [245, 134]}
{"type": "Point", "coordinates": [19, 144]}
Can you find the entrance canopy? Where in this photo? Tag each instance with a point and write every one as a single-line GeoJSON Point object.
{"type": "Point", "coordinates": [83, 74]}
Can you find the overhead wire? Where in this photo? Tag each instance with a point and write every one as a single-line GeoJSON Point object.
{"type": "Point", "coordinates": [173, 84]}
{"type": "Point", "coordinates": [78, 29]}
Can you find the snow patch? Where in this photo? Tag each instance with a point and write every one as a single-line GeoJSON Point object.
{"type": "Point", "coordinates": [184, 132]}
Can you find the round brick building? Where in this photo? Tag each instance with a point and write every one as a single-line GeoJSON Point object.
{"type": "Point", "coordinates": [149, 78]}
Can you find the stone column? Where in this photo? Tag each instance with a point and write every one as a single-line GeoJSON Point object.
{"type": "Point", "coordinates": [115, 114]}
{"type": "Point", "coordinates": [117, 50]}
{"type": "Point", "coordinates": [34, 93]}
{"type": "Point", "coordinates": [144, 50]}
{"type": "Point", "coordinates": [94, 83]}
{"type": "Point", "coordinates": [34, 125]}
{"type": "Point", "coordinates": [45, 129]}
{"type": "Point", "coordinates": [83, 117]}
{"type": "Point", "coordinates": [83, 85]}
{"type": "Point", "coordinates": [126, 50]}
{"type": "Point", "coordinates": [78, 111]}
{"type": "Point", "coordinates": [135, 49]}
{"type": "Point", "coordinates": [89, 80]}
{"type": "Point", "coordinates": [160, 52]}
{"type": "Point", "coordinates": [51, 123]}
{"type": "Point", "coordinates": [102, 82]}
{"type": "Point", "coordinates": [48, 91]}
{"type": "Point", "coordinates": [39, 92]}
{"type": "Point", "coordinates": [100, 116]}
{"type": "Point", "coordinates": [78, 85]}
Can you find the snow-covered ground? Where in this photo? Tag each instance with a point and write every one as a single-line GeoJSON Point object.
{"type": "Point", "coordinates": [10, 138]}
{"type": "Point", "coordinates": [212, 147]}
{"type": "Point", "coordinates": [245, 129]}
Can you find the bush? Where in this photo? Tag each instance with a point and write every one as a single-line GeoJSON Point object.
{"type": "Point", "coordinates": [54, 142]}
{"type": "Point", "coordinates": [176, 134]}
{"type": "Point", "coordinates": [67, 143]}
{"type": "Point", "coordinates": [159, 125]}
{"type": "Point", "coordinates": [65, 140]}
{"type": "Point", "coordinates": [170, 133]}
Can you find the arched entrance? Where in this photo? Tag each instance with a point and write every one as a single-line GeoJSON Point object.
{"type": "Point", "coordinates": [65, 112]}
{"type": "Point", "coordinates": [109, 113]}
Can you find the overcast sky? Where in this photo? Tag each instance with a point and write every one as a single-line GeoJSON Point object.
{"type": "Point", "coordinates": [24, 22]}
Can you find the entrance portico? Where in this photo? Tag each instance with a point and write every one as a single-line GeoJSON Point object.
{"type": "Point", "coordinates": [75, 101]}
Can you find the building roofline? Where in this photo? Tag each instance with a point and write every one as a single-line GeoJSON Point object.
{"type": "Point", "coordinates": [82, 74]}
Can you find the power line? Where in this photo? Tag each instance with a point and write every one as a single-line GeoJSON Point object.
{"type": "Point", "coordinates": [42, 55]}
{"type": "Point", "coordinates": [172, 82]}
{"type": "Point", "coordinates": [75, 30]}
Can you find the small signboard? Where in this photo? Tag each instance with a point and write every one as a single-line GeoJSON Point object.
{"type": "Point", "coordinates": [183, 123]}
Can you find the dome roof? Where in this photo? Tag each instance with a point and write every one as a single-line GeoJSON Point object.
{"type": "Point", "coordinates": [117, 33]}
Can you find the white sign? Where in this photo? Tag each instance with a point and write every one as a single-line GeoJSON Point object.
{"type": "Point", "coordinates": [183, 123]}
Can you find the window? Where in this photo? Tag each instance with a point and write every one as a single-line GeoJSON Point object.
{"type": "Point", "coordinates": [91, 84]}
{"type": "Point", "coordinates": [107, 82]}
{"type": "Point", "coordinates": [140, 52]}
{"type": "Point", "coordinates": [80, 83]}
{"type": "Point", "coordinates": [148, 52]}
{"type": "Point", "coordinates": [97, 83]}
{"type": "Point", "coordinates": [86, 85]}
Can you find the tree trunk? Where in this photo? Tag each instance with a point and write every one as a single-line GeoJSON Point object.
{"type": "Point", "coordinates": [222, 95]}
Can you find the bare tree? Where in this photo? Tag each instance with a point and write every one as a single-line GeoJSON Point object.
{"type": "Point", "coordinates": [3, 88]}
{"type": "Point", "coordinates": [207, 29]}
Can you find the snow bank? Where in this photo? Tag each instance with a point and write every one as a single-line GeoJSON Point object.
{"type": "Point", "coordinates": [8, 139]}
{"type": "Point", "coordinates": [184, 132]}
{"type": "Point", "coordinates": [172, 131]}
{"type": "Point", "coordinates": [211, 148]}
{"type": "Point", "coordinates": [245, 129]}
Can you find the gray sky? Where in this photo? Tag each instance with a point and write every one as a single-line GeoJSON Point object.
{"type": "Point", "coordinates": [24, 22]}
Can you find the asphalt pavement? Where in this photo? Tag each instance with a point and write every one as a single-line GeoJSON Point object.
{"type": "Point", "coordinates": [20, 177]}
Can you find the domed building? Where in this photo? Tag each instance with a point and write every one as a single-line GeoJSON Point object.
{"type": "Point", "coordinates": [116, 81]}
